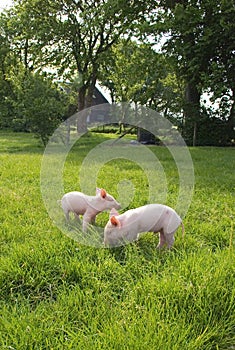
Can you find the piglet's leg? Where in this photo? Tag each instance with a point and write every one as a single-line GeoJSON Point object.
{"type": "Point", "coordinates": [93, 219]}
{"type": "Point", "coordinates": [66, 213]}
{"type": "Point", "coordinates": [170, 239]}
{"type": "Point", "coordinates": [86, 221]}
{"type": "Point", "coordinates": [162, 240]}
{"type": "Point", "coordinates": [84, 225]}
{"type": "Point", "coordinates": [77, 217]}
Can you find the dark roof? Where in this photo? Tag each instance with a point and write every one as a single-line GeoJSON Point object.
{"type": "Point", "coordinates": [98, 98]}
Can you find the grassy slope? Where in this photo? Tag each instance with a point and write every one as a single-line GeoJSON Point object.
{"type": "Point", "coordinates": [56, 294]}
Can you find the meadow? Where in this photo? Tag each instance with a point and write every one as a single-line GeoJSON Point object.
{"type": "Point", "coordinates": [58, 294]}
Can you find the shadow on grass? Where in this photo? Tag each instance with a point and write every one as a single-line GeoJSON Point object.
{"type": "Point", "coordinates": [17, 142]}
{"type": "Point", "coordinates": [146, 251]}
{"type": "Point", "coordinates": [20, 142]}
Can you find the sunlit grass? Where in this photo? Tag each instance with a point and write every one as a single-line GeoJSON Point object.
{"type": "Point", "coordinates": [59, 294]}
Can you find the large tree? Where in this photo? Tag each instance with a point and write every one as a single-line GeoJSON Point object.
{"type": "Point", "coordinates": [7, 61]}
{"type": "Point", "coordinates": [135, 72]}
{"type": "Point", "coordinates": [72, 36]}
{"type": "Point", "coordinates": [220, 78]}
{"type": "Point", "coordinates": [28, 101]}
{"type": "Point", "coordinates": [200, 42]}
{"type": "Point", "coordinates": [131, 71]}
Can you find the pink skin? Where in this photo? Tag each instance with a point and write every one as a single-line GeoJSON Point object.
{"type": "Point", "coordinates": [88, 206]}
{"type": "Point", "coordinates": [155, 218]}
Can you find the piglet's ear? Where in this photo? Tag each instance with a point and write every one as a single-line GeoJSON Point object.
{"type": "Point", "coordinates": [113, 212]}
{"type": "Point", "coordinates": [98, 190]}
{"type": "Point", "coordinates": [103, 193]}
{"type": "Point", "coordinates": [115, 221]}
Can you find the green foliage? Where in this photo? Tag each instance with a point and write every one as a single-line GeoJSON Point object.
{"type": "Point", "coordinates": [132, 71]}
{"type": "Point", "coordinates": [6, 62]}
{"type": "Point", "coordinates": [73, 37]}
{"type": "Point", "coordinates": [57, 294]}
{"type": "Point", "coordinates": [137, 73]}
{"type": "Point", "coordinates": [39, 105]}
{"type": "Point", "coordinates": [201, 44]}
{"type": "Point", "coordinates": [29, 101]}
{"type": "Point", "coordinates": [89, 40]}
{"type": "Point", "coordinates": [44, 106]}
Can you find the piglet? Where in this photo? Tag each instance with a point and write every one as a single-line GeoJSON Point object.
{"type": "Point", "coordinates": [88, 206]}
{"type": "Point", "coordinates": [126, 227]}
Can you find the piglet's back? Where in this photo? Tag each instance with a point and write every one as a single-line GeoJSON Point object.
{"type": "Point", "coordinates": [75, 201]}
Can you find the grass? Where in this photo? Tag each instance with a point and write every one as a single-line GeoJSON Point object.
{"type": "Point", "coordinates": [58, 294]}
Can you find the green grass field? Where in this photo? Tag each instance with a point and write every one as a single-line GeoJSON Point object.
{"type": "Point", "coordinates": [58, 294]}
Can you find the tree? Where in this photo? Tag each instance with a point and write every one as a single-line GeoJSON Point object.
{"type": "Point", "coordinates": [72, 36]}
{"type": "Point", "coordinates": [39, 104]}
{"type": "Point", "coordinates": [183, 25]}
{"type": "Point", "coordinates": [220, 78]}
{"type": "Point", "coordinates": [135, 72]}
{"type": "Point", "coordinates": [7, 61]}
{"type": "Point", "coordinates": [45, 105]}
{"type": "Point", "coordinates": [128, 68]}
{"type": "Point", "coordinates": [29, 101]}
{"type": "Point", "coordinates": [197, 33]}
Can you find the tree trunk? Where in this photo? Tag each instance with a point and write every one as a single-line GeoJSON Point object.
{"type": "Point", "coordinates": [68, 132]}
{"type": "Point", "coordinates": [194, 134]}
{"type": "Point", "coordinates": [85, 97]}
{"type": "Point", "coordinates": [82, 118]}
{"type": "Point", "coordinates": [231, 120]}
{"type": "Point", "coordinates": [26, 48]}
{"type": "Point", "coordinates": [90, 92]}
{"type": "Point", "coordinates": [191, 113]}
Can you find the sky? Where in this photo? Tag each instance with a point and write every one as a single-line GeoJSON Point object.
{"type": "Point", "coordinates": [5, 3]}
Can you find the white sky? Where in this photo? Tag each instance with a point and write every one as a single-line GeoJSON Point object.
{"type": "Point", "coordinates": [5, 4]}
